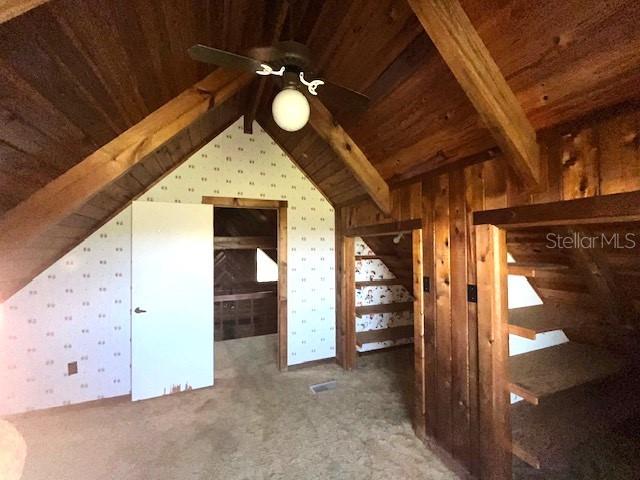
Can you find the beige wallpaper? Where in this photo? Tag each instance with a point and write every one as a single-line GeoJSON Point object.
{"type": "Point", "coordinates": [78, 310]}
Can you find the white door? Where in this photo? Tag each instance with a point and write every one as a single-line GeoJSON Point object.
{"type": "Point", "coordinates": [171, 298]}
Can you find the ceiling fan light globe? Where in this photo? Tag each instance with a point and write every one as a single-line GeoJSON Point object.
{"type": "Point", "coordinates": [290, 110]}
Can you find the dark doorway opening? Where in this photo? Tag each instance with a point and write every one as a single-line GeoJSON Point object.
{"type": "Point", "coordinates": [245, 272]}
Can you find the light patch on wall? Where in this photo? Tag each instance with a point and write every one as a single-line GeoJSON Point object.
{"type": "Point", "coordinates": [266, 269]}
{"type": "Point", "coordinates": [522, 294]}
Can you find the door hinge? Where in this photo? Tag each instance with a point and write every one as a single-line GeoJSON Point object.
{"type": "Point", "coordinates": [472, 293]}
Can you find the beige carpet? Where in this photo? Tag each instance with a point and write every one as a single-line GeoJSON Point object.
{"type": "Point", "coordinates": [256, 423]}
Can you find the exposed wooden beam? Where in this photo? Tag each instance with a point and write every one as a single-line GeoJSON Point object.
{"type": "Point", "coordinates": [619, 207]}
{"type": "Point", "coordinates": [477, 73]}
{"type": "Point", "coordinates": [13, 8]}
{"type": "Point", "coordinates": [244, 243]}
{"type": "Point", "coordinates": [355, 160]}
{"type": "Point", "coordinates": [64, 195]}
{"type": "Point", "coordinates": [256, 100]}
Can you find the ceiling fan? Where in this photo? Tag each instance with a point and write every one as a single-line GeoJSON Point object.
{"type": "Point", "coordinates": [288, 62]}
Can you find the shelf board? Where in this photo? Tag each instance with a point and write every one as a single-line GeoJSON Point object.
{"type": "Point", "coordinates": [378, 283]}
{"type": "Point", "coordinates": [367, 257]}
{"type": "Point", "coordinates": [527, 322]}
{"type": "Point", "coordinates": [538, 374]}
{"type": "Point", "coordinates": [533, 270]}
{"type": "Point", "coordinates": [544, 436]}
{"type": "Point", "coordinates": [384, 334]}
{"type": "Point", "coordinates": [384, 308]}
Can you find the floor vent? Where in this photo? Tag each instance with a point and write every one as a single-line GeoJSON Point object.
{"type": "Point", "coordinates": [323, 387]}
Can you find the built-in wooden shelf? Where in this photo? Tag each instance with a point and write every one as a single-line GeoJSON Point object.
{"type": "Point", "coordinates": [544, 435]}
{"type": "Point", "coordinates": [538, 374]}
{"type": "Point", "coordinates": [384, 308]}
{"type": "Point", "coordinates": [381, 282]}
{"type": "Point", "coordinates": [384, 334]}
{"type": "Point", "coordinates": [533, 270]}
{"type": "Point", "coordinates": [527, 322]}
{"type": "Point", "coordinates": [367, 257]}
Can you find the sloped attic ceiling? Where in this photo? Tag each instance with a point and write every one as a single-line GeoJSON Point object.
{"type": "Point", "coordinates": [77, 73]}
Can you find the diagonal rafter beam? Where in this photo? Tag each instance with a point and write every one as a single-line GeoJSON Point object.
{"type": "Point", "coordinates": [68, 192]}
{"type": "Point", "coordinates": [354, 159]}
{"type": "Point", "coordinates": [464, 52]}
{"type": "Point", "coordinates": [13, 8]}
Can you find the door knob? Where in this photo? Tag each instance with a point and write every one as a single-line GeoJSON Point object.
{"type": "Point", "coordinates": [139, 310]}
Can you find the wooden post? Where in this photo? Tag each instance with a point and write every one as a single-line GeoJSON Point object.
{"type": "Point", "coordinates": [282, 288]}
{"type": "Point", "coordinates": [349, 302]}
{"type": "Point", "coordinates": [493, 353]}
{"type": "Point", "coordinates": [418, 334]}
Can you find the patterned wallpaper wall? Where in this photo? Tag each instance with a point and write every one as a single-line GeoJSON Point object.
{"type": "Point", "coordinates": [374, 269]}
{"type": "Point", "coordinates": [78, 310]}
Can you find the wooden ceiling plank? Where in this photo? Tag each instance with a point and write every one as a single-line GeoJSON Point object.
{"type": "Point", "coordinates": [463, 50]}
{"type": "Point", "coordinates": [355, 160]}
{"type": "Point", "coordinates": [69, 191]}
{"type": "Point", "coordinates": [250, 115]}
{"type": "Point", "coordinates": [14, 8]}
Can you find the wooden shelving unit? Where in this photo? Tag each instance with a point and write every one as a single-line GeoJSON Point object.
{"type": "Point", "coordinates": [543, 435]}
{"type": "Point", "coordinates": [538, 374]}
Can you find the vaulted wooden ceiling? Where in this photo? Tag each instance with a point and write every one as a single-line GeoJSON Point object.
{"type": "Point", "coordinates": [77, 73]}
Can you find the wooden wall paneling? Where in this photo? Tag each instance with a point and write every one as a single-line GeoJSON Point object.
{"type": "Point", "coordinates": [406, 202]}
{"type": "Point", "coordinates": [418, 333]}
{"type": "Point", "coordinates": [443, 334]}
{"type": "Point", "coordinates": [430, 320]}
{"type": "Point", "coordinates": [282, 288]}
{"type": "Point", "coordinates": [493, 354]}
{"type": "Point", "coordinates": [459, 317]}
{"type": "Point", "coordinates": [580, 165]}
{"type": "Point", "coordinates": [473, 201]}
{"type": "Point", "coordinates": [618, 144]}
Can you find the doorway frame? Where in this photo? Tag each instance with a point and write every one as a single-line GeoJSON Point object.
{"type": "Point", "coordinates": [281, 208]}
{"type": "Point", "coordinates": [347, 298]}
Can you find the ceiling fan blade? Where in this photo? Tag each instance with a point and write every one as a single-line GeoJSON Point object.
{"type": "Point", "coordinates": [265, 54]}
{"type": "Point", "coordinates": [222, 58]}
{"type": "Point", "coordinates": [342, 98]}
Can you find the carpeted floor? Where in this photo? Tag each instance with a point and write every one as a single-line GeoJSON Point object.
{"type": "Point", "coordinates": [256, 423]}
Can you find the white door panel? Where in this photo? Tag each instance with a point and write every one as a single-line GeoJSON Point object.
{"type": "Point", "coordinates": [172, 281]}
